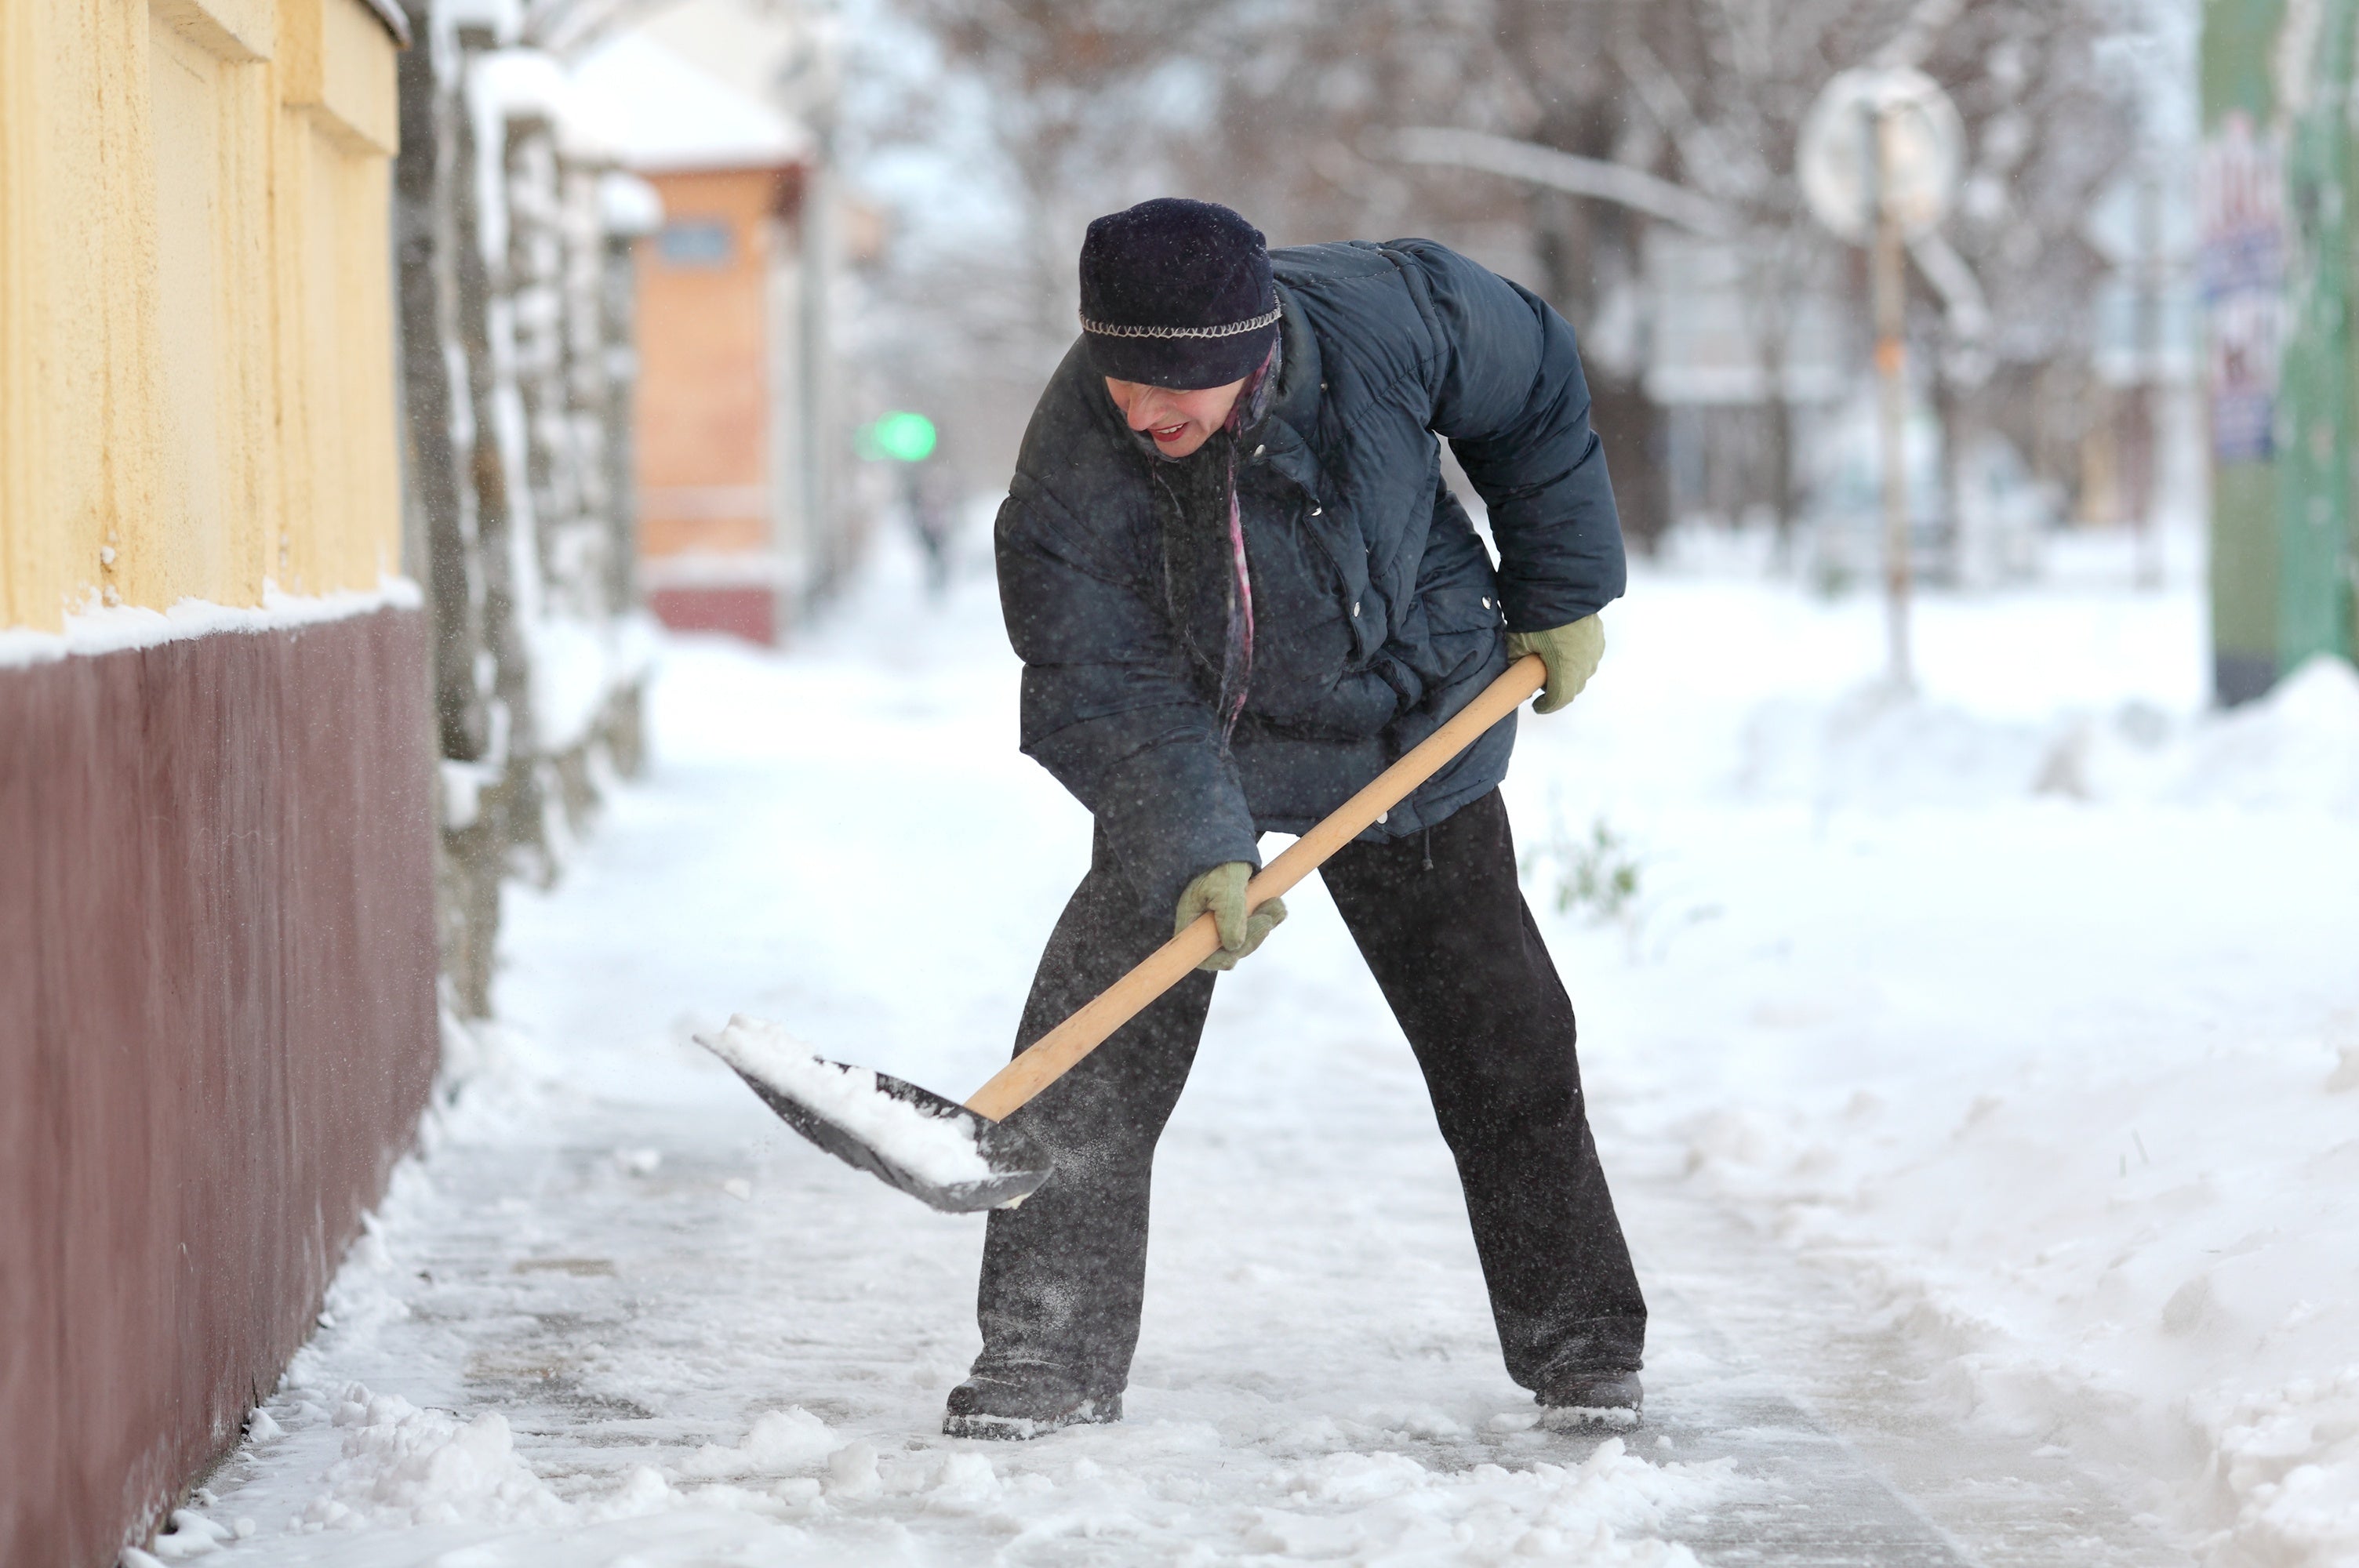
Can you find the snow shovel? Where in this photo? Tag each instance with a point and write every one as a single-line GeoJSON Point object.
{"type": "Point", "coordinates": [963, 1158]}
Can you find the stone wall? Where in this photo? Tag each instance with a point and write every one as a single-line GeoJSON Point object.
{"type": "Point", "coordinates": [514, 248]}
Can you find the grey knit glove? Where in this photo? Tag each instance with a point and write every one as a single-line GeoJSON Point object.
{"type": "Point", "coordinates": [1222, 890]}
{"type": "Point", "coordinates": [1571, 653]}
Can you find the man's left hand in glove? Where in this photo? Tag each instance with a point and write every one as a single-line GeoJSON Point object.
{"type": "Point", "coordinates": [1570, 651]}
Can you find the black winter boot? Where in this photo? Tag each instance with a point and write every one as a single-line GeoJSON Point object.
{"type": "Point", "coordinates": [1576, 1400]}
{"type": "Point", "coordinates": [1011, 1406]}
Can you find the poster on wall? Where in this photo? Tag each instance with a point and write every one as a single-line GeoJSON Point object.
{"type": "Point", "coordinates": [2242, 212]}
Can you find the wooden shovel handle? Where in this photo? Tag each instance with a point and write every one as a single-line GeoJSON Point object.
{"type": "Point", "coordinates": [1054, 1052]}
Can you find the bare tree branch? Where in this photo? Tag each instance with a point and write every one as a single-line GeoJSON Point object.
{"type": "Point", "coordinates": [1619, 183]}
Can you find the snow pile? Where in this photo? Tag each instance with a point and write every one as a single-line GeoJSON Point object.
{"type": "Point", "coordinates": [937, 1149]}
{"type": "Point", "coordinates": [780, 1443]}
{"type": "Point", "coordinates": [403, 1466]}
{"type": "Point", "coordinates": [2152, 1262]}
{"type": "Point", "coordinates": [1388, 1507]}
{"type": "Point", "coordinates": [1881, 751]}
{"type": "Point", "coordinates": [2297, 748]}
{"type": "Point", "coordinates": [187, 1534]}
{"type": "Point", "coordinates": [2289, 1464]}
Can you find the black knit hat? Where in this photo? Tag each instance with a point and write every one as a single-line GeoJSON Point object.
{"type": "Point", "coordinates": [1177, 293]}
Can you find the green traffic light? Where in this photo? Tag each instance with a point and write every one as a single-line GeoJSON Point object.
{"type": "Point", "coordinates": [904, 437]}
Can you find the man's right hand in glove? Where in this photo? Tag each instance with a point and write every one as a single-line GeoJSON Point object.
{"type": "Point", "coordinates": [1221, 891]}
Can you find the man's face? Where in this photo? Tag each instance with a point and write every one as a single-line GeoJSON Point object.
{"type": "Point", "coordinates": [1179, 422]}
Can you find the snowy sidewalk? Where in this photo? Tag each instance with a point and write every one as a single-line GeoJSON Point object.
{"type": "Point", "coordinates": [617, 1314]}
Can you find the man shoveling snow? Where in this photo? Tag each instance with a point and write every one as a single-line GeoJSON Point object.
{"type": "Point", "coordinates": [1240, 588]}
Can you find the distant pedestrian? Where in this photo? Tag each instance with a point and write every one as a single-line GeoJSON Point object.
{"type": "Point", "coordinates": [930, 523]}
{"type": "Point", "coordinates": [1240, 590]}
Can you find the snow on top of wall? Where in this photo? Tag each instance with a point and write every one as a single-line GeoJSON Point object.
{"type": "Point", "coordinates": [657, 112]}
{"type": "Point", "coordinates": [525, 80]}
{"type": "Point", "coordinates": [527, 84]}
{"type": "Point", "coordinates": [628, 205]}
{"type": "Point", "coordinates": [113, 629]}
{"type": "Point", "coordinates": [577, 668]}
{"type": "Point", "coordinates": [504, 19]}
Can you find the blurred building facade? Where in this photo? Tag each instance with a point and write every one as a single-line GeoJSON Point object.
{"type": "Point", "coordinates": [217, 973]}
{"type": "Point", "coordinates": [714, 456]}
{"type": "Point", "coordinates": [2278, 276]}
{"type": "Point", "coordinates": [740, 521]}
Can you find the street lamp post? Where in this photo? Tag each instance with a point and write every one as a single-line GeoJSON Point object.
{"type": "Point", "coordinates": [1891, 289]}
{"type": "Point", "coordinates": [1878, 159]}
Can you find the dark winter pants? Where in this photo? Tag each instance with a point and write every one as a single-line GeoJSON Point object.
{"type": "Point", "coordinates": [1460, 960]}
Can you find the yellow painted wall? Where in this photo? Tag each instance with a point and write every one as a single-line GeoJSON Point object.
{"type": "Point", "coordinates": [196, 322]}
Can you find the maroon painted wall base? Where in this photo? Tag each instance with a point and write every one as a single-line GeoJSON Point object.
{"type": "Point", "coordinates": [751, 613]}
{"type": "Point", "coordinates": [217, 1030]}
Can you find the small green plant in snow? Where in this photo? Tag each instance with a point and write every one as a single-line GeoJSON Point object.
{"type": "Point", "coordinates": [1599, 875]}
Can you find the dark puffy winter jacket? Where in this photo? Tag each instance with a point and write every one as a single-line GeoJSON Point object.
{"type": "Point", "coordinates": [1379, 612]}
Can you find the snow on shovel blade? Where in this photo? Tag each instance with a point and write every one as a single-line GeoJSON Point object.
{"type": "Point", "coordinates": [932, 1148]}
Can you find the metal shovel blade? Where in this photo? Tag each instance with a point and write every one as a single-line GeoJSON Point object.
{"type": "Point", "coordinates": [884, 1136]}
